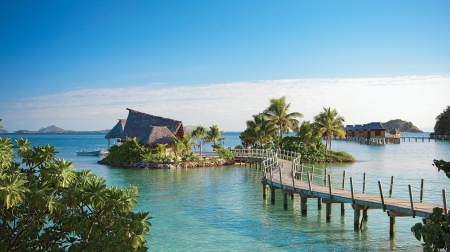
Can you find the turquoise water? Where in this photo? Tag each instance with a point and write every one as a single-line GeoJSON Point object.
{"type": "Point", "coordinates": [222, 209]}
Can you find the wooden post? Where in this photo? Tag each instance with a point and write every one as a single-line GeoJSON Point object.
{"type": "Point", "coordinates": [293, 180]}
{"type": "Point", "coordinates": [356, 217]}
{"type": "Point", "coordinates": [265, 190]}
{"type": "Point", "coordinates": [413, 213]}
{"type": "Point", "coordinates": [331, 198]}
{"type": "Point", "coordinates": [421, 191]}
{"type": "Point", "coordinates": [304, 204]}
{"type": "Point", "coordinates": [382, 196]}
{"type": "Point", "coordinates": [392, 225]}
{"type": "Point", "coordinates": [364, 183]}
{"type": "Point", "coordinates": [309, 182]}
{"type": "Point", "coordinates": [285, 201]}
{"type": "Point", "coordinates": [445, 201]}
{"type": "Point", "coordinates": [281, 180]}
{"type": "Point", "coordinates": [351, 188]}
{"type": "Point", "coordinates": [301, 172]}
{"type": "Point", "coordinates": [391, 189]}
{"type": "Point", "coordinates": [343, 188]}
{"type": "Point", "coordinates": [272, 194]}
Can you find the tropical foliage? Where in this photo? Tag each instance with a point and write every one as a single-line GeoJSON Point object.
{"type": "Point", "coordinates": [200, 134]}
{"type": "Point", "coordinates": [328, 122]}
{"type": "Point", "coordinates": [308, 136]}
{"type": "Point", "coordinates": [436, 235]}
{"type": "Point", "coordinates": [442, 126]}
{"type": "Point", "coordinates": [268, 128]}
{"type": "Point", "coordinates": [259, 131]}
{"type": "Point", "coordinates": [46, 205]}
{"type": "Point", "coordinates": [130, 151]}
{"type": "Point", "coordinates": [213, 135]}
{"type": "Point", "coordinates": [278, 114]}
{"type": "Point", "coordinates": [226, 154]}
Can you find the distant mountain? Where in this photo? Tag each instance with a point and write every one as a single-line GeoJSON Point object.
{"type": "Point", "coordinates": [189, 128]}
{"type": "Point", "coordinates": [4, 130]}
{"type": "Point", "coordinates": [53, 129]}
{"type": "Point", "coordinates": [401, 125]}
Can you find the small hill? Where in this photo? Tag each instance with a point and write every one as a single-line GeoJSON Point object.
{"type": "Point", "coordinates": [401, 125]}
{"type": "Point", "coordinates": [4, 131]}
{"type": "Point", "coordinates": [189, 128]}
{"type": "Point", "coordinates": [53, 129]}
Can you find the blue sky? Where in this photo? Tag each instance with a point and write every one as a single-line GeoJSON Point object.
{"type": "Point", "coordinates": [79, 64]}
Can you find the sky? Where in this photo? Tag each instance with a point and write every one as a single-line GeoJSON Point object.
{"type": "Point", "coordinates": [79, 64]}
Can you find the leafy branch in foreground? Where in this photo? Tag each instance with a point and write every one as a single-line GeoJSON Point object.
{"type": "Point", "coordinates": [46, 205]}
{"type": "Point", "coordinates": [436, 234]}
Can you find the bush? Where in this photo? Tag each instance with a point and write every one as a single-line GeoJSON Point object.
{"type": "Point", "coordinates": [130, 151]}
{"type": "Point", "coordinates": [226, 154]}
{"type": "Point", "coordinates": [46, 205]}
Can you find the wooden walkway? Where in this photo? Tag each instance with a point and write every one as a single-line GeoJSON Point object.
{"type": "Point", "coordinates": [293, 185]}
{"type": "Point", "coordinates": [285, 178]}
{"type": "Point", "coordinates": [285, 175]}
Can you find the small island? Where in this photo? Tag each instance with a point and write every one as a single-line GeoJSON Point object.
{"type": "Point", "coordinates": [55, 129]}
{"type": "Point", "coordinates": [402, 126]}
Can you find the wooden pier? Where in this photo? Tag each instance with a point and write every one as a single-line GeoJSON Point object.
{"type": "Point", "coordinates": [293, 178]}
{"type": "Point", "coordinates": [396, 139]}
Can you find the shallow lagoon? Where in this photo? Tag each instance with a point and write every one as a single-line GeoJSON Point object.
{"type": "Point", "coordinates": [222, 208]}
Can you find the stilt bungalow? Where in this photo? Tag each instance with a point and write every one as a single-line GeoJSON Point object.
{"type": "Point", "coordinates": [374, 132]}
{"type": "Point", "coordinates": [395, 133]}
{"type": "Point", "coordinates": [371, 133]}
{"type": "Point", "coordinates": [149, 130]}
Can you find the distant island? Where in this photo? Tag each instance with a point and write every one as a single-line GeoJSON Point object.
{"type": "Point", "coordinates": [401, 125]}
{"type": "Point", "coordinates": [4, 131]}
{"type": "Point", "coordinates": [55, 129]}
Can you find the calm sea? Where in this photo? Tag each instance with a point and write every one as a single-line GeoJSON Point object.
{"type": "Point", "coordinates": [221, 209]}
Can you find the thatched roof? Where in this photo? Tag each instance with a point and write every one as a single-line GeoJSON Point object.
{"type": "Point", "coordinates": [373, 126]}
{"type": "Point", "coordinates": [158, 135]}
{"type": "Point", "coordinates": [148, 129]}
{"type": "Point", "coordinates": [117, 131]}
{"type": "Point", "coordinates": [138, 123]}
{"type": "Point", "coordinates": [394, 131]}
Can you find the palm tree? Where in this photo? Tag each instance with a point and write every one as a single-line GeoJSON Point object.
{"type": "Point", "coordinates": [213, 135]}
{"type": "Point", "coordinates": [278, 114]}
{"type": "Point", "coordinates": [179, 147]}
{"type": "Point", "coordinates": [161, 149]}
{"type": "Point", "coordinates": [308, 135]}
{"type": "Point", "coordinates": [442, 126]}
{"type": "Point", "coordinates": [187, 141]}
{"type": "Point", "coordinates": [260, 130]}
{"type": "Point", "coordinates": [328, 122]}
{"type": "Point", "coordinates": [200, 134]}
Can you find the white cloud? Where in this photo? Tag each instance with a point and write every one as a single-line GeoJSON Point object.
{"type": "Point", "coordinates": [418, 99]}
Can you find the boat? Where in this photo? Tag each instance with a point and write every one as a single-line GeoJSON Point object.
{"type": "Point", "coordinates": [88, 153]}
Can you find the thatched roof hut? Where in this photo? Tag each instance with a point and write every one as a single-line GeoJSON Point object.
{"type": "Point", "coordinates": [158, 135]}
{"type": "Point", "coordinates": [148, 129]}
{"type": "Point", "coordinates": [395, 132]}
{"type": "Point", "coordinates": [117, 131]}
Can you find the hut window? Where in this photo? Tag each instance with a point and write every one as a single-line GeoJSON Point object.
{"type": "Point", "coordinates": [377, 132]}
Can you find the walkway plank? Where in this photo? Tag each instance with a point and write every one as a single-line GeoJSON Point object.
{"type": "Point", "coordinates": [343, 196]}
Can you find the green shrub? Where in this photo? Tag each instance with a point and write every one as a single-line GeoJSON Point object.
{"type": "Point", "coordinates": [130, 151]}
{"type": "Point", "coordinates": [226, 154]}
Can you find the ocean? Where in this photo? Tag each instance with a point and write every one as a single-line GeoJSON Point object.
{"type": "Point", "coordinates": [222, 209]}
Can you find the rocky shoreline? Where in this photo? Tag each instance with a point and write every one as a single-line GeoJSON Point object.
{"type": "Point", "coordinates": [178, 165]}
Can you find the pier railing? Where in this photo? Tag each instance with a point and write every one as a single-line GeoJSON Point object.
{"type": "Point", "coordinates": [285, 168]}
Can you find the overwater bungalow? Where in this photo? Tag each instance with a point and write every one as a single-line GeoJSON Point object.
{"type": "Point", "coordinates": [149, 130]}
{"type": "Point", "coordinates": [370, 133]}
{"type": "Point", "coordinates": [374, 132]}
{"type": "Point", "coordinates": [395, 133]}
